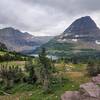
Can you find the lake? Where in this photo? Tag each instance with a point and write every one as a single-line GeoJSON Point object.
{"type": "Point", "coordinates": [49, 56]}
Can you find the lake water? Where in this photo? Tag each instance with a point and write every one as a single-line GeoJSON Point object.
{"type": "Point", "coordinates": [49, 56]}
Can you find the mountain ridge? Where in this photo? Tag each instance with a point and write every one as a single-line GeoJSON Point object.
{"type": "Point", "coordinates": [18, 41]}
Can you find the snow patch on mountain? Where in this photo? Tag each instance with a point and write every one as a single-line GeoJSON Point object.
{"type": "Point", "coordinates": [74, 40]}
{"type": "Point", "coordinates": [97, 42]}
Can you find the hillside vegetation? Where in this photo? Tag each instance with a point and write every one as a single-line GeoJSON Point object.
{"type": "Point", "coordinates": [63, 75]}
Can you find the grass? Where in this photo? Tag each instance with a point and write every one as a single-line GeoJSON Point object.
{"type": "Point", "coordinates": [38, 95]}
{"type": "Point", "coordinates": [14, 63]}
{"type": "Point", "coordinates": [73, 79]}
{"type": "Point", "coordinates": [2, 53]}
{"type": "Point", "coordinates": [32, 92]}
{"type": "Point", "coordinates": [74, 67]}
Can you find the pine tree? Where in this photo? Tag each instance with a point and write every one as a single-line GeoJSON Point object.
{"type": "Point", "coordinates": [46, 70]}
{"type": "Point", "coordinates": [92, 68]}
{"type": "Point", "coordinates": [30, 69]}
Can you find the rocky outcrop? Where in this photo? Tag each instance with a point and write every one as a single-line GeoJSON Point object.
{"type": "Point", "coordinates": [87, 91]}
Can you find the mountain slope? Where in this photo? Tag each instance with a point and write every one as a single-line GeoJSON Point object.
{"type": "Point", "coordinates": [82, 35]}
{"type": "Point", "coordinates": [18, 41]}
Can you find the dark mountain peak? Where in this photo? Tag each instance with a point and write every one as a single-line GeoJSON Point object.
{"type": "Point", "coordinates": [82, 25]}
{"type": "Point", "coordinates": [85, 22]}
{"type": "Point", "coordinates": [86, 17]}
{"type": "Point", "coordinates": [10, 31]}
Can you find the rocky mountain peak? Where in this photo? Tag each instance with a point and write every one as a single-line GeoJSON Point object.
{"type": "Point", "coordinates": [82, 25]}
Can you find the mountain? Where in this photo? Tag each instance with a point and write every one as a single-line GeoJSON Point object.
{"type": "Point", "coordinates": [83, 29]}
{"type": "Point", "coordinates": [18, 41]}
{"type": "Point", "coordinates": [82, 35]}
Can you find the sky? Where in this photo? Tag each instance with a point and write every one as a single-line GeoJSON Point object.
{"type": "Point", "coordinates": [46, 17]}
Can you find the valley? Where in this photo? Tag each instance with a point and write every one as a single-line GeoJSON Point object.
{"type": "Point", "coordinates": [43, 68]}
{"type": "Point", "coordinates": [49, 49]}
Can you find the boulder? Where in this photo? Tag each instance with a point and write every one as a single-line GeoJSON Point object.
{"type": "Point", "coordinates": [96, 79]}
{"type": "Point", "coordinates": [70, 95]}
{"type": "Point", "coordinates": [89, 90]}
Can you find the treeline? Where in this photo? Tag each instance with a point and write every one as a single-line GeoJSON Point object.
{"type": "Point", "coordinates": [11, 56]}
{"type": "Point", "coordinates": [93, 68]}
{"type": "Point", "coordinates": [83, 57]}
{"type": "Point", "coordinates": [92, 62]}
{"type": "Point", "coordinates": [3, 46]}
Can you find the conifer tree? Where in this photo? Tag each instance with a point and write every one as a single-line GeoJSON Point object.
{"type": "Point", "coordinates": [30, 69]}
{"type": "Point", "coordinates": [46, 70]}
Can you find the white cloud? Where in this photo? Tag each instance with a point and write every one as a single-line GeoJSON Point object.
{"type": "Point", "coordinates": [45, 17]}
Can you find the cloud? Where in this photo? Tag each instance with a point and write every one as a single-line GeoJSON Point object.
{"type": "Point", "coordinates": [45, 17]}
{"type": "Point", "coordinates": [69, 6]}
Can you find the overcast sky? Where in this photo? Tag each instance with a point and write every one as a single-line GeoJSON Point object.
{"type": "Point", "coordinates": [46, 17]}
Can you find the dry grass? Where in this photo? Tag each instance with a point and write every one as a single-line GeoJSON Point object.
{"type": "Point", "coordinates": [18, 96]}
{"type": "Point", "coordinates": [15, 63]}
{"type": "Point", "coordinates": [75, 75]}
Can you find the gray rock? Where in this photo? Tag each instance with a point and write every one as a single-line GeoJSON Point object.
{"type": "Point", "coordinates": [88, 91]}
{"type": "Point", "coordinates": [70, 95]}
{"type": "Point", "coordinates": [96, 79]}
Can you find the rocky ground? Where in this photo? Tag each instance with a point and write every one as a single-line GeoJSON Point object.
{"type": "Point", "coordinates": [87, 91]}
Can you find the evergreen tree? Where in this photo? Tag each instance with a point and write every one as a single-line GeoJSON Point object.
{"type": "Point", "coordinates": [30, 69]}
{"type": "Point", "coordinates": [46, 70]}
{"type": "Point", "coordinates": [92, 68]}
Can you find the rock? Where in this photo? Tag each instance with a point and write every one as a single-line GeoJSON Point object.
{"type": "Point", "coordinates": [89, 90]}
{"type": "Point", "coordinates": [96, 79]}
{"type": "Point", "coordinates": [70, 95]}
